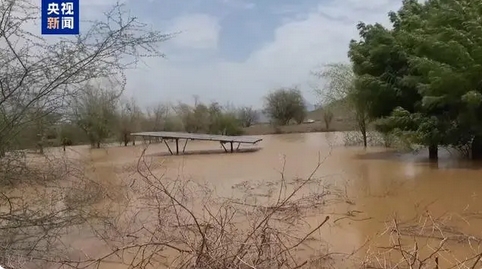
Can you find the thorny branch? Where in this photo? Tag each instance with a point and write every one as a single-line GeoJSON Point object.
{"type": "Point", "coordinates": [42, 201]}
{"type": "Point", "coordinates": [38, 77]}
{"type": "Point", "coordinates": [179, 223]}
{"type": "Point", "coordinates": [413, 255]}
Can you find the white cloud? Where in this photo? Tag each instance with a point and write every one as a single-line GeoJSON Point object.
{"type": "Point", "coordinates": [198, 31]}
{"type": "Point", "coordinates": [298, 46]}
{"type": "Point", "coordinates": [241, 4]}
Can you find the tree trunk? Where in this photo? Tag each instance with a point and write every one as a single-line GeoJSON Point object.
{"type": "Point", "coordinates": [362, 125]}
{"type": "Point", "coordinates": [364, 133]}
{"type": "Point", "coordinates": [433, 152]}
{"type": "Point", "coordinates": [126, 140]}
{"type": "Point", "coordinates": [476, 148]}
{"type": "Point", "coordinates": [327, 125]}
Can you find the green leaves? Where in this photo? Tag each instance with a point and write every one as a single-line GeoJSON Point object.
{"type": "Point", "coordinates": [423, 76]}
{"type": "Point", "coordinates": [473, 99]}
{"type": "Point", "coordinates": [284, 105]}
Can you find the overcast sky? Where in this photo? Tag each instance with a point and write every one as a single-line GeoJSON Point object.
{"type": "Point", "coordinates": [238, 50]}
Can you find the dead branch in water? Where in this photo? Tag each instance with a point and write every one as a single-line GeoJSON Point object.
{"type": "Point", "coordinates": [184, 226]}
{"type": "Point", "coordinates": [406, 251]}
{"type": "Point", "coordinates": [42, 199]}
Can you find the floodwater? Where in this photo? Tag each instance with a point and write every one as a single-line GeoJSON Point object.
{"type": "Point", "coordinates": [376, 187]}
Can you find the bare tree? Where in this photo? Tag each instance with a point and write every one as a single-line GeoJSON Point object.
{"type": "Point", "coordinates": [130, 118]}
{"type": "Point", "coordinates": [157, 116]}
{"type": "Point", "coordinates": [339, 90]}
{"type": "Point", "coordinates": [248, 116]}
{"type": "Point", "coordinates": [284, 105]}
{"type": "Point", "coordinates": [38, 75]}
{"type": "Point", "coordinates": [38, 78]}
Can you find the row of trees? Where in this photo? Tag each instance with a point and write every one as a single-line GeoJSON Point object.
{"type": "Point", "coordinates": [419, 80]}
{"type": "Point", "coordinates": [98, 115]}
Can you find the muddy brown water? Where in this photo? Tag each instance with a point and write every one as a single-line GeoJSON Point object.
{"type": "Point", "coordinates": [377, 184]}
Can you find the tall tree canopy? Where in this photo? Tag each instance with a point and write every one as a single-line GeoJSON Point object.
{"type": "Point", "coordinates": [422, 77]}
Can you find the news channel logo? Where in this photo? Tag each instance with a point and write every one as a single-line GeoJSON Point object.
{"type": "Point", "coordinates": [60, 17]}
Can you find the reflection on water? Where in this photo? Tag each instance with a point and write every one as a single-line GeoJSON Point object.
{"type": "Point", "coordinates": [378, 182]}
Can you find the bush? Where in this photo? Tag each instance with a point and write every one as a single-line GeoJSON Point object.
{"type": "Point", "coordinates": [284, 105]}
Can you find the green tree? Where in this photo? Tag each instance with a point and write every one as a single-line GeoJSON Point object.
{"type": "Point", "coordinates": [223, 120]}
{"type": "Point", "coordinates": [448, 63]}
{"type": "Point", "coordinates": [95, 113]}
{"type": "Point", "coordinates": [389, 77]}
{"type": "Point", "coordinates": [284, 105]}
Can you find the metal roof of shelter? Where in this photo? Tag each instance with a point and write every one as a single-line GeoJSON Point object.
{"type": "Point", "coordinates": [194, 136]}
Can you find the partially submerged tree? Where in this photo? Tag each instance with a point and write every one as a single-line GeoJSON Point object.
{"type": "Point", "coordinates": [35, 73]}
{"type": "Point", "coordinates": [212, 119]}
{"type": "Point", "coordinates": [327, 118]}
{"type": "Point", "coordinates": [426, 66]}
{"type": "Point", "coordinates": [340, 88]}
{"type": "Point", "coordinates": [38, 77]}
{"type": "Point", "coordinates": [284, 105]}
{"type": "Point", "coordinates": [130, 119]}
{"type": "Point", "coordinates": [95, 112]}
{"type": "Point", "coordinates": [223, 120]}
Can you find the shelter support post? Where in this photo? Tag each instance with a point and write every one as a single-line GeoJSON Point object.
{"type": "Point", "coordinates": [167, 145]}
{"type": "Point", "coordinates": [232, 150]}
{"type": "Point", "coordinates": [222, 144]}
{"type": "Point", "coordinates": [185, 144]}
{"type": "Point", "coordinates": [177, 146]}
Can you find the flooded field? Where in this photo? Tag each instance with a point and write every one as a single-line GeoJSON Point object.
{"type": "Point", "coordinates": [376, 199]}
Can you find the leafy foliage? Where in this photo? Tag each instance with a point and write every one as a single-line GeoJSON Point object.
{"type": "Point", "coordinates": [95, 113]}
{"type": "Point", "coordinates": [284, 105]}
{"type": "Point", "coordinates": [422, 77]}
